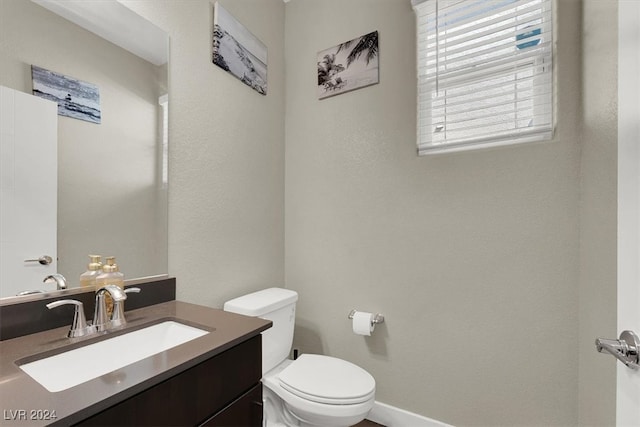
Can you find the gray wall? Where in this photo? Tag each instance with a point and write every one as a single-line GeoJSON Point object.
{"type": "Point", "coordinates": [473, 257]}
{"type": "Point", "coordinates": [598, 210]}
{"type": "Point", "coordinates": [226, 191]}
{"type": "Point", "coordinates": [109, 198]}
{"type": "Point", "coordinates": [468, 255]}
{"type": "Point", "coordinates": [479, 260]}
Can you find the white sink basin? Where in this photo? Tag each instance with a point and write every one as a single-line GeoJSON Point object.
{"type": "Point", "coordinates": [68, 369]}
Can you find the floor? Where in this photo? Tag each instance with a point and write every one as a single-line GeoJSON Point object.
{"type": "Point", "coordinates": [367, 423]}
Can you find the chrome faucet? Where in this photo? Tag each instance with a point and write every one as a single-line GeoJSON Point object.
{"type": "Point", "coordinates": [100, 318]}
{"type": "Point", "coordinates": [101, 321]}
{"type": "Point", "coordinates": [61, 282]}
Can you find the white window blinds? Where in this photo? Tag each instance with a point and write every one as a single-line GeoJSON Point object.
{"type": "Point", "coordinates": [484, 73]}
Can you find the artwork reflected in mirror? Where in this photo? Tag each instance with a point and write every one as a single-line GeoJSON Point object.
{"type": "Point", "coordinates": [75, 98]}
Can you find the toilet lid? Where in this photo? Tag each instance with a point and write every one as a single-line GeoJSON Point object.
{"type": "Point", "coordinates": [326, 379]}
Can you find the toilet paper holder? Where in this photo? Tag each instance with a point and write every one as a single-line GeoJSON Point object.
{"type": "Point", "coordinates": [377, 318]}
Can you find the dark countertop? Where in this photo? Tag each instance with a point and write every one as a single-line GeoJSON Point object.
{"type": "Point", "coordinates": [24, 401]}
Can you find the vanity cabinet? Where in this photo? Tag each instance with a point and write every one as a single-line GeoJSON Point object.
{"type": "Point", "coordinates": [244, 411]}
{"type": "Point", "coordinates": [224, 390]}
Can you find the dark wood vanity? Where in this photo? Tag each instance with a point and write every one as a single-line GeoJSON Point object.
{"type": "Point", "coordinates": [222, 391]}
{"type": "Point", "coordinates": [213, 380]}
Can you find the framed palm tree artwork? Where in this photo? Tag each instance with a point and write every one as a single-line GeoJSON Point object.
{"type": "Point", "coordinates": [348, 66]}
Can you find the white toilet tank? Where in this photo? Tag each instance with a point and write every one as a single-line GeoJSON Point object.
{"type": "Point", "coordinates": [277, 305]}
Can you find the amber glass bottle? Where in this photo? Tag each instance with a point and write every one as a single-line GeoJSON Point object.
{"type": "Point", "coordinates": [88, 278]}
{"type": "Point", "coordinates": [111, 275]}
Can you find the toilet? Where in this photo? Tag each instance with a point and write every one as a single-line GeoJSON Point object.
{"type": "Point", "coordinates": [313, 390]}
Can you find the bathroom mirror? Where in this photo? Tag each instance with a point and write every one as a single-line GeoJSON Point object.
{"type": "Point", "coordinates": [112, 176]}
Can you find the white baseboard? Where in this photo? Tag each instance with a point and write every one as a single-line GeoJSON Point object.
{"type": "Point", "coordinates": [390, 416]}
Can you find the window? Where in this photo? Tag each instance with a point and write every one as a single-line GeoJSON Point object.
{"type": "Point", "coordinates": [485, 73]}
{"type": "Point", "coordinates": [164, 152]}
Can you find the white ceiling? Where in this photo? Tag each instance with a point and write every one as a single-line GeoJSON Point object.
{"type": "Point", "coordinates": [116, 23]}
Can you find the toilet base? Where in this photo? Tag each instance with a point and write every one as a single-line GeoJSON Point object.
{"type": "Point", "coordinates": [274, 412]}
{"type": "Point", "coordinates": [278, 413]}
{"type": "Point", "coordinates": [292, 411]}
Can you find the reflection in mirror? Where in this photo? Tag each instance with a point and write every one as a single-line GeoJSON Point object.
{"type": "Point", "coordinates": [112, 176]}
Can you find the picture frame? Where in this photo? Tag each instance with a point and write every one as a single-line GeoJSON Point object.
{"type": "Point", "coordinates": [348, 66]}
{"type": "Point", "coordinates": [75, 98]}
{"type": "Point", "coordinates": [237, 51]}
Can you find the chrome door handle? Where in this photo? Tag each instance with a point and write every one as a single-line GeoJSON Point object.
{"type": "Point", "coordinates": [626, 349]}
{"type": "Point", "coordinates": [43, 260]}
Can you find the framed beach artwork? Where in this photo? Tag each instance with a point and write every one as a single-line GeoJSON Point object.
{"type": "Point", "coordinates": [237, 51]}
{"type": "Point", "coordinates": [348, 66]}
{"type": "Point", "coordinates": [75, 98]}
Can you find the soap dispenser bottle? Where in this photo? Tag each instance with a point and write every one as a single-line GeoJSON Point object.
{"type": "Point", "coordinates": [110, 275]}
{"type": "Point", "coordinates": [88, 278]}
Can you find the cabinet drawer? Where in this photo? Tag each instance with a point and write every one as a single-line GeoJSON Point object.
{"type": "Point", "coordinates": [246, 411]}
{"type": "Point", "coordinates": [194, 395]}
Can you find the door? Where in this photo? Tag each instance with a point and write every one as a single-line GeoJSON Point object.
{"type": "Point", "coordinates": [628, 380]}
{"type": "Point", "coordinates": [28, 191]}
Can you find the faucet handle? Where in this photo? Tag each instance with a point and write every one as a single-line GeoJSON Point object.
{"type": "Point", "coordinates": [79, 326]}
{"type": "Point", "coordinates": [117, 318]}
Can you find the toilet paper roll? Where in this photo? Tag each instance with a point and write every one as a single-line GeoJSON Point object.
{"type": "Point", "coordinates": [363, 323]}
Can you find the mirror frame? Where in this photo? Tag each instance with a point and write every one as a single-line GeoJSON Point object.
{"type": "Point", "coordinates": [10, 300]}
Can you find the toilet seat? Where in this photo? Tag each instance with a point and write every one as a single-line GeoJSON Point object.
{"type": "Point", "coordinates": [327, 380]}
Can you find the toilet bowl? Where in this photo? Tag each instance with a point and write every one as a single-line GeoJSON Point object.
{"type": "Point", "coordinates": [320, 391]}
{"type": "Point", "coordinates": [313, 390]}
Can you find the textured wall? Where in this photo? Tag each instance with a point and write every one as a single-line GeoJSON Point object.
{"type": "Point", "coordinates": [598, 211]}
{"type": "Point", "coordinates": [226, 154]}
{"type": "Point", "coordinates": [473, 257]}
